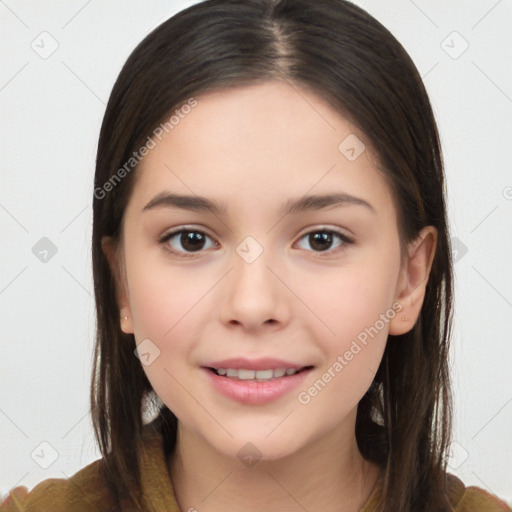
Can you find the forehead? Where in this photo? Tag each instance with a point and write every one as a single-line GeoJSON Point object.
{"type": "Point", "coordinates": [266, 142]}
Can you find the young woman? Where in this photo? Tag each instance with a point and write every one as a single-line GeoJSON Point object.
{"type": "Point", "coordinates": [272, 272]}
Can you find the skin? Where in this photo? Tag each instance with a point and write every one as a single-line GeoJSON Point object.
{"type": "Point", "coordinates": [254, 148]}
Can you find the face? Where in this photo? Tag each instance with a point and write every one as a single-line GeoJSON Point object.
{"type": "Point", "coordinates": [316, 287]}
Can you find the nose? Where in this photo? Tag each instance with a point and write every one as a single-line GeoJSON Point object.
{"type": "Point", "coordinates": [254, 296]}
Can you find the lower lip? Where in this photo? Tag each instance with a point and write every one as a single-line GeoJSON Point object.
{"type": "Point", "coordinates": [255, 392]}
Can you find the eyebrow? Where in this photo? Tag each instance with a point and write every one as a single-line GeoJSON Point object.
{"type": "Point", "coordinates": [306, 203]}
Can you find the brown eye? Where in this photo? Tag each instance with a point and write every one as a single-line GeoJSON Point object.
{"type": "Point", "coordinates": [187, 241]}
{"type": "Point", "coordinates": [192, 241]}
{"type": "Point", "coordinates": [322, 240]}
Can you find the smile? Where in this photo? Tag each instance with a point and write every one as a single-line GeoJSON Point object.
{"type": "Point", "coordinates": [259, 375]}
{"type": "Point", "coordinates": [256, 387]}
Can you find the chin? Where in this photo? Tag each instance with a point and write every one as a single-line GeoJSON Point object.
{"type": "Point", "coordinates": [250, 449]}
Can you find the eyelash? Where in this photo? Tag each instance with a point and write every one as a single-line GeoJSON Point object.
{"type": "Point", "coordinates": [165, 238]}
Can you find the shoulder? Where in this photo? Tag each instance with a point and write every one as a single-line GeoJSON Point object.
{"type": "Point", "coordinates": [86, 490]}
{"type": "Point", "coordinates": [472, 499]}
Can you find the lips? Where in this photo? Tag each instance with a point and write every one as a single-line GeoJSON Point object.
{"type": "Point", "coordinates": [246, 388]}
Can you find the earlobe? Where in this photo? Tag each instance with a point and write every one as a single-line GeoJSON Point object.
{"type": "Point", "coordinates": [412, 284]}
{"type": "Point", "coordinates": [109, 247]}
{"type": "Point", "coordinates": [126, 323]}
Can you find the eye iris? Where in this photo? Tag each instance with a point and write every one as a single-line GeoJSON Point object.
{"type": "Point", "coordinates": [192, 240]}
{"type": "Point", "coordinates": [321, 240]}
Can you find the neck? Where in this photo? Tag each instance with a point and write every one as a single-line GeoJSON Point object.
{"type": "Point", "coordinates": [328, 474]}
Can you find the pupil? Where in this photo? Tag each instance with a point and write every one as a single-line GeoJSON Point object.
{"type": "Point", "coordinates": [191, 240]}
{"type": "Point", "coordinates": [322, 241]}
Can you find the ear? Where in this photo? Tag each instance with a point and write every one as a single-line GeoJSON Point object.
{"type": "Point", "coordinates": [413, 279]}
{"type": "Point", "coordinates": [113, 254]}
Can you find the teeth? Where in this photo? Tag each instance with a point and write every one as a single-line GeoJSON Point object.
{"type": "Point", "coordinates": [264, 374]}
{"type": "Point", "coordinates": [243, 374]}
{"type": "Point", "coordinates": [246, 374]}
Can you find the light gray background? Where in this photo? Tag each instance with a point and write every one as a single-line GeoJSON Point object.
{"type": "Point", "coordinates": [51, 109]}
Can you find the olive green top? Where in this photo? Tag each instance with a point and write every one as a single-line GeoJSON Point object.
{"type": "Point", "coordinates": [86, 491]}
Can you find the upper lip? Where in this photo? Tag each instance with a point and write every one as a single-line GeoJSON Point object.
{"type": "Point", "coordinates": [264, 363]}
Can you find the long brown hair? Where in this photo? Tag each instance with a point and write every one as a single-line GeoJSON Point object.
{"type": "Point", "coordinates": [340, 52]}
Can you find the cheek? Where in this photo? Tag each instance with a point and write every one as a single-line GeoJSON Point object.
{"type": "Point", "coordinates": [358, 316]}
{"type": "Point", "coordinates": [163, 302]}
{"type": "Point", "coordinates": [164, 306]}
{"type": "Point", "coordinates": [162, 298]}
{"type": "Point", "coordinates": [350, 301]}
{"type": "Point", "coordinates": [355, 306]}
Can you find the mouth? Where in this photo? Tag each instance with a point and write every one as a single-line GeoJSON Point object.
{"type": "Point", "coordinates": [255, 381]}
{"type": "Point", "coordinates": [257, 375]}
